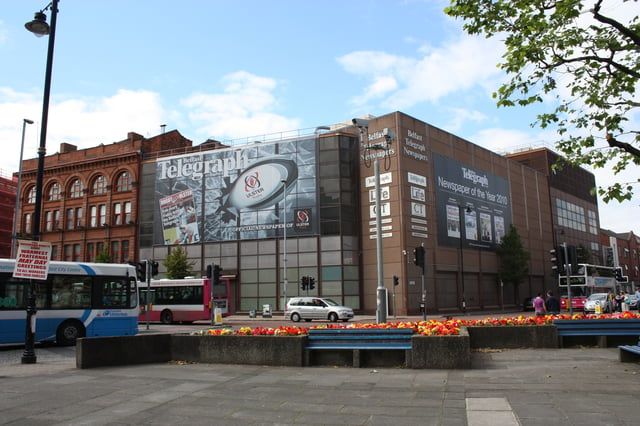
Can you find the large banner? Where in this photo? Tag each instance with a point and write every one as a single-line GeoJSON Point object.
{"type": "Point", "coordinates": [473, 206]}
{"type": "Point", "coordinates": [237, 193]}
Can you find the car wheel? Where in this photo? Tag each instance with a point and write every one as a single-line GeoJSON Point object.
{"type": "Point", "coordinates": [295, 317]}
{"type": "Point", "coordinates": [333, 317]}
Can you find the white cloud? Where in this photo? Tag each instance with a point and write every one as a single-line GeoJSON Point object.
{"type": "Point", "coordinates": [245, 108]}
{"type": "Point", "coordinates": [458, 65]}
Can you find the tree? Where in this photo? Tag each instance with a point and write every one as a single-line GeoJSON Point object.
{"type": "Point", "coordinates": [586, 58]}
{"type": "Point", "coordinates": [104, 256]}
{"type": "Point", "coordinates": [514, 259]}
{"type": "Point", "coordinates": [177, 264]}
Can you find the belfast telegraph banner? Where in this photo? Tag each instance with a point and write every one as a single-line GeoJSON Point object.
{"type": "Point", "coordinates": [237, 193]}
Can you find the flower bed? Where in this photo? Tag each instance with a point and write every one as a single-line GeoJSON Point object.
{"type": "Point", "coordinates": [450, 327]}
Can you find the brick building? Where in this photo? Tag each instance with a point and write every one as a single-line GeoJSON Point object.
{"type": "Point", "coordinates": [90, 197]}
{"type": "Point", "coordinates": [622, 250]}
{"type": "Point", "coordinates": [8, 187]}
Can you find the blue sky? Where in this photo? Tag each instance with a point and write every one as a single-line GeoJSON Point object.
{"type": "Point", "coordinates": [230, 69]}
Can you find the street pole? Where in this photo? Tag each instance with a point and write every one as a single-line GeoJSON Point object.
{"type": "Point", "coordinates": [14, 235]}
{"type": "Point", "coordinates": [381, 311]}
{"type": "Point", "coordinates": [39, 27]}
{"type": "Point", "coordinates": [284, 250]}
{"type": "Point", "coordinates": [567, 271]}
{"type": "Point", "coordinates": [462, 230]}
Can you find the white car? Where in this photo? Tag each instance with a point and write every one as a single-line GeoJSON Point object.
{"type": "Point", "coordinates": [320, 308]}
{"type": "Point", "coordinates": [602, 299]}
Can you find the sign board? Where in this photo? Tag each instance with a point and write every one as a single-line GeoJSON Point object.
{"type": "Point", "coordinates": [32, 260]}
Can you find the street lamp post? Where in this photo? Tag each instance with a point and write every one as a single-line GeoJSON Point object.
{"type": "Point", "coordinates": [462, 231]}
{"type": "Point", "coordinates": [40, 28]}
{"type": "Point", "coordinates": [14, 235]}
{"type": "Point", "coordinates": [284, 252]}
{"type": "Point", "coordinates": [389, 136]}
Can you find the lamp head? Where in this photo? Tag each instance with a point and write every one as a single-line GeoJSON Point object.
{"type": "Point", "coordinates": [26, 120]}
{"type": "Point", "coordinates": [39, 25]}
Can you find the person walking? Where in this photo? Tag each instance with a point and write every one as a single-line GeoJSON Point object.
{"type": "Point", "coordinates": [539, 306]}
{"type": "Point", "coordinates": [625, 301]}
{"type": "Point", "coordinates": [552, 303]}
{"type": "Point", "coordinates": [618, 299]}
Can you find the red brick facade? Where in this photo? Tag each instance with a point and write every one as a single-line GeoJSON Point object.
{"type": "Point", "coordinates": [90, 197]}
{"type": "Point", "coordinates": [7, 207]}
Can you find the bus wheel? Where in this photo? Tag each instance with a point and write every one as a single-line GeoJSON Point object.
{"type": "Point", "coordinates": [68, 332]}
{"type": "Point", "coordinates": [166, 317]}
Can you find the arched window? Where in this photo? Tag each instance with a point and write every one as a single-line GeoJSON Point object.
{"type": "Point", "coordinates": [76, 189]}
{"type": "Point", "coordinates": [54, 192]}
{"type": "Point", "coordinates": [31, 195]}
{"type": "Point", "coordinates": [99, 186]}
{"type": "Point", "coordinates": [123, 183]}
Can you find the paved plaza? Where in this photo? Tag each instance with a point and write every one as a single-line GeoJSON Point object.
{"type": "Point", "coordinates": [579, 386]}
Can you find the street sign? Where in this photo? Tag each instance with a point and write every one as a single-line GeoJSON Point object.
{"type": "Point", "coordinates": [32, 260]}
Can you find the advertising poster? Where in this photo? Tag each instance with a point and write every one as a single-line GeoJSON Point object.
{"type": "Point", "coordinates": [237, 193]}
{"type": "Point", "coordinates": [471, 204]}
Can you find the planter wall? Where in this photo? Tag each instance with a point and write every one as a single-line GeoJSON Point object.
{"type": "Point", "coordinates": [252, 350]}
{"type": "Point", "coordinates": [512, 337]}
{"type": "Point", "coordinates": [441, 352]}
{"type": "Point", "coordinates": [124, 350]}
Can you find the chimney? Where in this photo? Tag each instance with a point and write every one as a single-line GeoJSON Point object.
{"type": "Point", "coordinates": [67, 147]}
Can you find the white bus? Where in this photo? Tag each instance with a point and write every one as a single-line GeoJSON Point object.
{"type": "Point", "coordinates": [76, 300]}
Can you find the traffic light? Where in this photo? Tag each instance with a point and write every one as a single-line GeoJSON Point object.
{"type": "Point", "coordinates": [210, 271]}
{"type": "Point", "coordinates": [312, 283]}
{"type": "Point", "coordinates": [618, 274]}
{"type": "Point", "coordinates": [572, 252]}
{"type": "Point", "coordinates": [142, 271]}
{"type": "Point", "coordinates": [217, 272]}
{"type": "Point", "coordinates": [557, 259]}
{"type": "Point", "coordinates": [396, 281]}
{"type": "Point", "coordinates": [418, 256]}
{"type": "Point", "coordinates": [154, 268]}
{"type": "Point", "coordinates": [305, 282]}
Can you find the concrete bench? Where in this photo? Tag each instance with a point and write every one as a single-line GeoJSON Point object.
{"type": "Point", "coordinates": [358, 346]}
{"type": "Point", "coordinates": [600, 328]}
{"type": "Point", "coordinates": [629, 353]}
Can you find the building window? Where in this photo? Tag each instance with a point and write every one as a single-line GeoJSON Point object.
{"type": "Point", "coordinates": [76, 252]}
{"type": "Point", "coordinates": [54, 252]}
{"type": "Point", "coordinates": [56, 220]}
{"type": "Point", "coordinates": [127, 212]}
{"type": "Point", "coordinates": [117, 214]}
{"type": "Point", "coordinates": [115, 251]}
{"type": "Point", "coordinates": [31, 196]}
{"type": "Point", "coordinates": [571, 215]}
{"type": "Point", "coordinates": [123, 183]}
{"type": "Point", "coordinates": [102, 215]}
{"type": "Point", "coordinates": [91, 254]}
{"type": "Point", "coordinates": [93, 216]}
{"type": "Point", "coordinates": [48, 222]}
{"type": "Point", "coordinates": [54, 192]}
{"type": "Point", "coordinates": [99, 248]}
{"type": "Point", "coordinates": [67, 252]}
{"type": "Point", "coordinates": [125, 250]}
{"type": "Point", "coordinates": [593, 222]}
{"type": "Point", "coordinates": [69, 224]}
{"type": "Point", "coordinates": [99, 186]}
{"type": "Point", "coordinates": [27, 223]}
{"type": "Point", "coordinates": [78, 216]}
{"type": "Point", "coordinates": [76, 189]}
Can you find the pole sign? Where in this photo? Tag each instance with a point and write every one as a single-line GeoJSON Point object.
{"type": "Point", "coordinates": [32, 260]}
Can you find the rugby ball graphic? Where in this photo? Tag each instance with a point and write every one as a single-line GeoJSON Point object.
{"type": "Point", "coordinates": [261, 184]}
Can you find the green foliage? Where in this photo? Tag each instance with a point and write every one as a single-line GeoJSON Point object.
{"type": "Point", "coordinates": [104, 257]}
{"type": "Point", "coordinates": [572, 54]}
{"type": "Point", "coordinates": [514, 259]}
{"type": "Point", "coordinates": [177, 264]}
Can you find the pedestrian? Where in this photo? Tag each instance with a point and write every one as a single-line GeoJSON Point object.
{"type": "Point", "coordinates": [618, 300]}
{"type": "Point", "coordinates": [539, 306]}
{"type": "Point", "coordinates": [552, 303]}
{"type": "Point", "coordinates": [625, 301]}
{"type": "Point", "coordinates": [638, 299]}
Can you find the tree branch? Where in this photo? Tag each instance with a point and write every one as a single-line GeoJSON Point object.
{"type": "Point", "coordinates": [614, 143]}
{"type": "Point", "coordinates": [615, 24]}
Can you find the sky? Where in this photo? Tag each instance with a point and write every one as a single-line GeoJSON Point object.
{"type": "Point", "coordinates": [235, 69]}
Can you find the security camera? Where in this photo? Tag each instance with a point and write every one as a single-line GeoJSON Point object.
{"type": "Point", "coordinates": [388, 134]}
{"type": "Point", "coordinates": [360, 122]}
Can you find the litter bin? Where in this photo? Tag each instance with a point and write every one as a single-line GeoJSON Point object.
{"type": "Point", "coordinates": [252, 313]}
{"type": "Point", "coordinates": [266, 311]}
